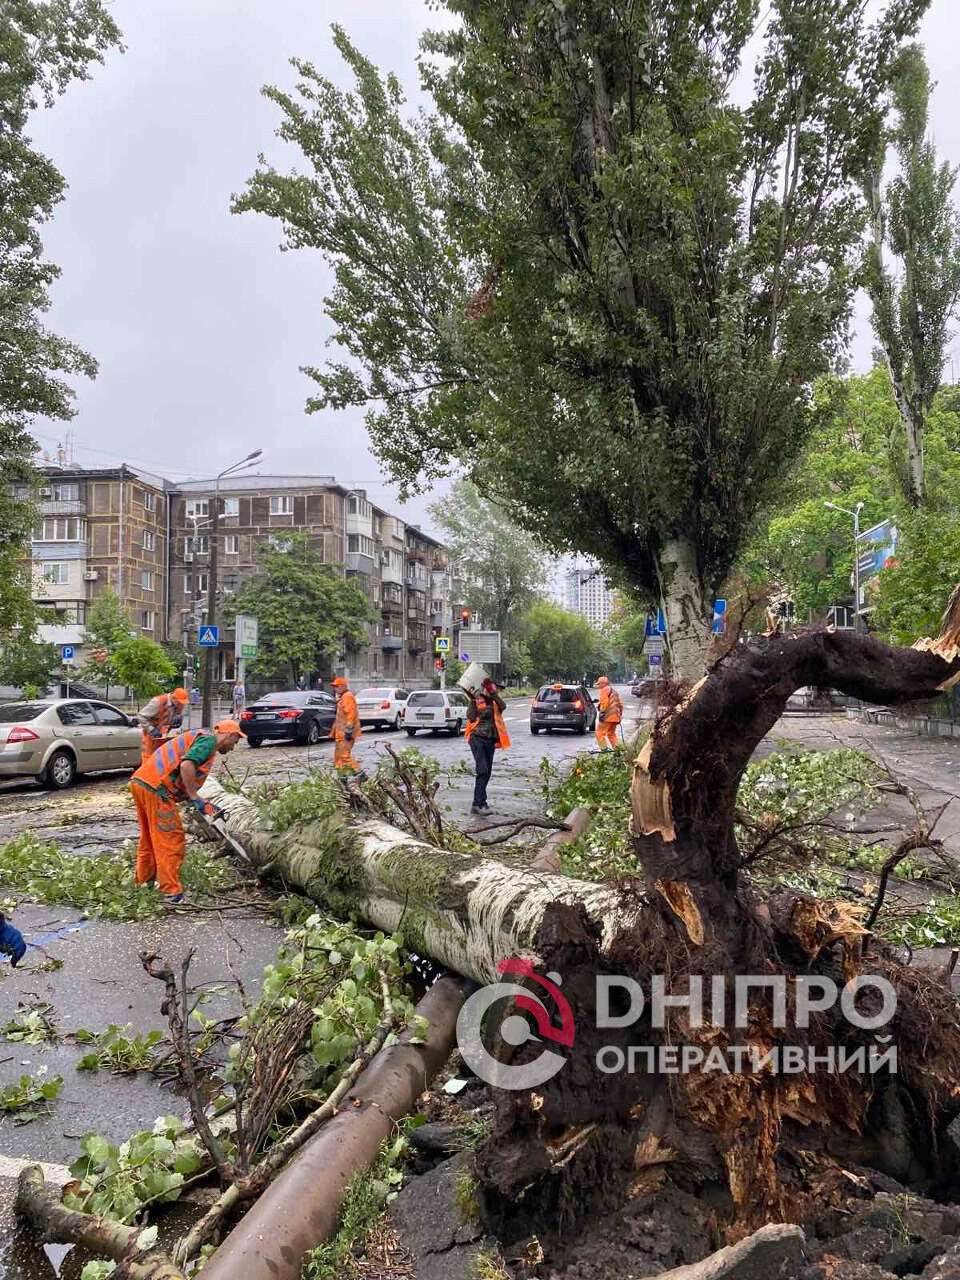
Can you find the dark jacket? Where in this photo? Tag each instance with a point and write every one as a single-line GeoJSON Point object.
{"type": "Point", "coordinates": [486, 725]}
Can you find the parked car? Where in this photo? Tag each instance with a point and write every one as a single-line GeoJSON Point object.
{"type": "Point", "coordinates": [304, 715]}
{"type": "Point", "coordinates": [436, 709]}
{"type": "Point", "coordinates": [563, 706]}
{"type": "Point", "coordinates": [54, 739]}
{"type": "Point", "coordinates": [382, 706]}
{"type": "Point", "coordinates": [648, 689]}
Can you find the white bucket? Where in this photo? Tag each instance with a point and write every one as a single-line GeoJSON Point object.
{"type": "Point", "coordinates": [473, 677]}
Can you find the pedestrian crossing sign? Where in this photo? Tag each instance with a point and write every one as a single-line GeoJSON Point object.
{"type": "Point", "coordinates": [442, 644]}
{"type": "Point", "coordinates": [209, 637]}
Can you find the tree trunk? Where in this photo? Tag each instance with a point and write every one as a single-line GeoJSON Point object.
{"type": "Point", "coordinates": [586, 1132]}
{"type": "Point", "coordinates": [685, 607]}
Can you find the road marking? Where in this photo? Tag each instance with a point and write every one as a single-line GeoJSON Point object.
{"type": "Point", "coordinates": [58, 1174]}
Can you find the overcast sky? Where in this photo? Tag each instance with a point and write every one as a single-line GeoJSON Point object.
{"type": "Point", "coordinates": [198, 322]}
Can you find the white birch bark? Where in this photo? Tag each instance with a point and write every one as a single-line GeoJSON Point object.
{"type": "Point", "coordinates": [466, 913]}
{"type": "Point", "coordinates": [685, 608]}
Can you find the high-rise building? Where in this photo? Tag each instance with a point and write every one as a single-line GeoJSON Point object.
{"type": "Point", "coordinates": [587, 592]}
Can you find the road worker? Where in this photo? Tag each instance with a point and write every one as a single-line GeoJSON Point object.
{"type": "Point", "coordinates": [486, 732]}
{"type": "Point", "coordinates": [346, 728]}
{"type": "Point", "coordinates": [173, 774]}
{"type": "Point", "coordinates": [611, 713]}
{"type": "Point", "coordinates": [159, 718]}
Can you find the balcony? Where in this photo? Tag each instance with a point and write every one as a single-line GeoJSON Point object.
{"type": "Point", "coordinates": [70, 507]}
{"type": "Point", "coordinates": [391, 644]}
{"type": "Point", "coordinates": [390, 573]}
{"type": "Point", "coordinates": [391, 607]}
{"type": "Point", "coordinates": [359, 562]}
{"type": "Point", "coordinates": [436, 618]}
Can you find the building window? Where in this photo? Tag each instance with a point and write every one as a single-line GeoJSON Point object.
{"type": "Point", "coordinates": [149, 501]}
{"type": "Point", "coordinates": [149, 541]}
{"type": "Point", "coordinates": [203, 581]}
{"type": "Point", "coordinates": [358, 542]}
{"type": "Point", "coordinates": [281, 505]}
{"type": "Point", "coordinates": [56, 573]}
{"type": "Point", "coordinates": [231, 545]}
{"type": "Point", "coordinates": [65, 492]}
{"type": "Point", "coordinates": [197, 507]}
{"type": "Point", "coordinates": [231, 506]}
{"type": "Point", "coordinates": [62, 612]}
{"type": "Point", "coordinates": [146, 579]}
{"type": "Point", "coordinates": [360, 507]}
{"type": "Point", "coordinates": [279, 544]}
{"type": "Point", "coordinates": [148, 619]}
{"type": "Point", "coordinates": [197, 545]}
{"type": "Point", "coordinates": [21, 491]}
{"type": "Point", "coordinates": [231, 583]}
{"type": "Point", "coordinates": [60, 529]}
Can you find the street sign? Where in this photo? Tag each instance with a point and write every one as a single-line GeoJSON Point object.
{"type": "Point", "coordinates": [441, 644]}
{"type": "Point", "coordinates": [653, 644]}
{"type": "Point", "coordinates": [246, 635]}
{"type": "Point", "coordinates": [67, 652]}
{"type": "Point", "coordinates": [719, 606]}
{"type": "Point", "coordinates": [209, 637]}
{"type": "Point", "coordinates": [484, 646]}
{"type": "Point", "coordinates": [655, 659]}
{"type": "Point", "coordinates": [464, 657]}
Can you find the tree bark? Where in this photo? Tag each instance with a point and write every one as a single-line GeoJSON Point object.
{"type": "Point", "coordinates": [685, 607]}
{"type": "Point", "coordinates": [99, 1236]}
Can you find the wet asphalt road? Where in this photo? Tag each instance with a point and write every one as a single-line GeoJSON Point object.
{"type": "Point", "coordinates": [102, 982]}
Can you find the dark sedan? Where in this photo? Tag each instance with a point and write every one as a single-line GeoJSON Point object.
{"type": "Point", "coordinates": [563, 706]}
{"type": "Point", "coordinates": [306, 717]}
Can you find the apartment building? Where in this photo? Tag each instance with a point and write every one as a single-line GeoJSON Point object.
{"type": "Point", "coordinates": [150, 540]}
{"type": "Point", "coordinates": [99, 528]}
{"type": "Point", "coordinates": [587, 592]}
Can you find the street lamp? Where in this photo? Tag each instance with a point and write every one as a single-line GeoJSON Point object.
{"type": "Point", "coordinates": [855, 515]}
{"type": "Point", "coordinates": [209, 659]}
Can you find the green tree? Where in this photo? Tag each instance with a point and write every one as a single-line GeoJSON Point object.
{"type": "Point", "coordinates": [591, 278]}
{"type": "Point", "coordinates": [307, 611]}
{"type": "Point", "coordinates": [909, 593]}
{"type": "Point", "coordinates": [501, 566]}
{"type": "Point", "coordinates": [143, 666]}
{"type": "Point", "coordinates": [106, 628]}
{"type": "Point", "coordinates": [561, 645]}
{"type": "Point", "coordinates": [915, 218]}
{"type": "Point", "coordinates": [28, 664]}
{"type": "Point", "coordinates": [44, 45]}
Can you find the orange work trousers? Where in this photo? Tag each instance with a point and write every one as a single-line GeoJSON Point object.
{"type": "Point", "coordinates": [343, 757]}
{"type": "Point", "coordinates": [162, 844]}
{"type": "Point", "coordinates": [607, 733]}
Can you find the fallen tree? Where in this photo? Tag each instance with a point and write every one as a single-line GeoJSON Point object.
{"type": "Point", "coordinates": [690, 913]}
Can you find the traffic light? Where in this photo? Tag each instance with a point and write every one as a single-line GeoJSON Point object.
{"type": "Point", "coordinates": [464, 617]}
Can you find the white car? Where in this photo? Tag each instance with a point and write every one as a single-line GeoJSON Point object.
{"type": "Point", "coordinates": [436, 709]}
{"type": "Point", "coordinates": [382, 706]}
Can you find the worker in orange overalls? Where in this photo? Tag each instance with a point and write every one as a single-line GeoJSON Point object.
{"type": "Point", "coordinates": [174, 773]}
{"type": "Point", "coordinates": [346, 728]}
{"type": "Point", "coordinates": [159, 717]}
{"type": "Point", "coordinates": [486, 733]}
{"type": "Point", "coordinates": [611, 713]}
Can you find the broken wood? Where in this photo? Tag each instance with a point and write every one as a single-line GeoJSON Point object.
{"type": "Point", "coordinates": [54, 1223]}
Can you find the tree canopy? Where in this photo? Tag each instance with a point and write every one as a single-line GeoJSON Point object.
{"type": "Point", "coordinates": [590, 277]}
{"type": "Point", "coordinates": [44, 45]}
{"type": "Point", "coordinates": [501, 566]}
{"type": "Point", "coordinates": [916, 221]}
{"type": "Point", "coordinates": [307, 612]}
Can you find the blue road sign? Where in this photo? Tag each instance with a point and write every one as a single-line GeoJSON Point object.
{"type": "Point", "coordinates": [719, 606]}
{"type": "Point", "coordinates": [464, 657]}
{"type": "Point", "coordinates": [655, 659]}
{"type": "Point", "coordinates": [719, 625]}
{"type": "Point", "coordinates": [67, 651]}
{"type": "Point", "coordinates": [209, 637]}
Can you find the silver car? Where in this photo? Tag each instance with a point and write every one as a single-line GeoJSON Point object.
{"type": "Point", "coordinates": [54, 739]}
{"type": "Point", "coordinates": [382, 706]}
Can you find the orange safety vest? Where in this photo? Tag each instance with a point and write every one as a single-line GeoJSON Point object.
{"type": "Point", "coordinates": [348, 717]}
{"type": "Point", "coordinates": [611, 708]}
{"type": "Point", "coordinates": [503, 738]}
{"type": "Point", "coordinates": [162, 768]}
{"type": "Point", "coordinates": [168, 708]}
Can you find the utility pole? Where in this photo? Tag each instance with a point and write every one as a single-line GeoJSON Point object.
{"type": "Point", "coordinates": [855, 514]}
{"type": "Point", "coordinates": [210, 657]}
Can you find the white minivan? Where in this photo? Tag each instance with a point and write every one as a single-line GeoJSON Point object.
{"type": "Point", "coordinates": [436, 709]}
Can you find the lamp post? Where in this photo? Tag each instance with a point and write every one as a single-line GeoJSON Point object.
{"type": "Point", "coordinates": [209, 660]}
{"type": "Point", "coordinates": [855, 515]}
